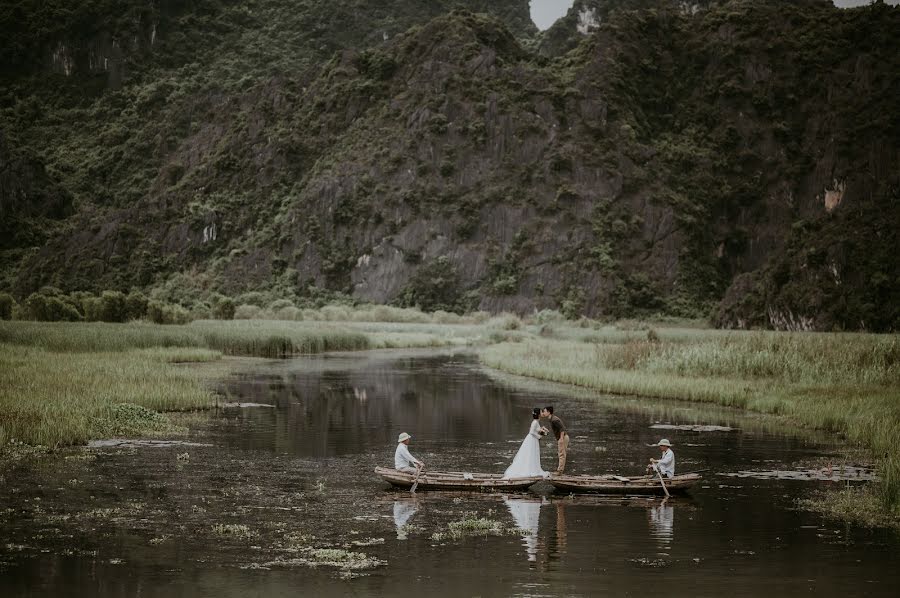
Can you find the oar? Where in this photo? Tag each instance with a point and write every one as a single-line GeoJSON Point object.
{"type": "Point", "coordinates": [415, 481]}
{"type": "Point", "coordinates": [661, 481]}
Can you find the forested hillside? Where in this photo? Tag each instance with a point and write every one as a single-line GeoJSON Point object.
{"type": "Point", "coordinates": [734, 160]}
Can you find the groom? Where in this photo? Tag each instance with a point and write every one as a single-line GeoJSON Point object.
{"type": "Point", "coordinates": [562, 437]}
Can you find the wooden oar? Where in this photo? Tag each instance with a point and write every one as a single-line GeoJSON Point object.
{"type": "Point", "coordinates": [416, 481]}
{"type": "Point", "coordinates": [661, 481]}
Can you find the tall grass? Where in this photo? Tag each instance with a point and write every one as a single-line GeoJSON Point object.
{"type": "Point", "coordinates": [95, 336]}
{"type": "Point", "coordinates": [276, 339]}
{"type": "Point", "coordinates": [249, 338]}
{"type": "Point", "coordinates": [848, 384]}
{"type": "Point", "coordinates": [285, 311]}
{"type": "Point", "coordinates": [67, 382]}
{"type": "Point", "coordinates": [52, 398]}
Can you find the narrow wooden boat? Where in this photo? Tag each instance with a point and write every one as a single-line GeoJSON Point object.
{"type": "Point", "coordinates": [454, 480]}
{"type": "Point", "coordinates": [613, 484]}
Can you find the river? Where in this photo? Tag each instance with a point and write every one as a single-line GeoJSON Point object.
{"type": "Point", "coordinates": [257, 498]}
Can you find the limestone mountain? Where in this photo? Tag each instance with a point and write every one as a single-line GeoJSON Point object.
{"type": "Point", "coordinates": [736, 159]}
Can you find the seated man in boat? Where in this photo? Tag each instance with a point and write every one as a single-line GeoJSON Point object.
{"type": "Point", "coordinates": [666, 463]}
{"type": "Point", "coordinates": [403, 459]}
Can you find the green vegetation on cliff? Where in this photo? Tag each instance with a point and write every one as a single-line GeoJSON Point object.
{"type": "Point", "coordinates": [738, 161]}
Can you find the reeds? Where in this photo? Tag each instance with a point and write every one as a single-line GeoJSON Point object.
{"type": "Point", "coordinates": [285, 311]}
{"type": "Point", "coordinates": [49, 398]}
{"type": "Point", "coordinates": [248, 338]}
{"type": "Point", "coordinates": [848, 384]}
{"type": "Point", "coordinates": [66, 383]}
{"type": "Point", "coordinates": [276, 339]}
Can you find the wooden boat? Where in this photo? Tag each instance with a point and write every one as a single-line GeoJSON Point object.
{"type": "Point", "coordinates": [454, 480]}
{"type": "Point", "coordinates": [614, 484]}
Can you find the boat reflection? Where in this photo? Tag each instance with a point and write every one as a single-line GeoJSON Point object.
{"type": "Point", "coordinates": [660, 515]}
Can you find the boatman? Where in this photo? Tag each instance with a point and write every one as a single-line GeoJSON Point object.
{"type": "Point", "coordinates": [403, 459]}
{"type": "Point", "coordinates": [666, 463]}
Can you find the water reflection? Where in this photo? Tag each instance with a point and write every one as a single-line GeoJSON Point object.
{"type": "Point", "coordinates": [526, 512]}
{"type": "Point", "coordinates": [540, 549]}
{"type": "Point", "coordinates": [560, 545]}
{"type": "Point", "coordinates": [404, 509]}
{"type": "Point", "coordinates": [662, 523]}
{"type": "Point", "coordinates": [310, 458]}
{"type": "Point", "coordinates": [329, 413]}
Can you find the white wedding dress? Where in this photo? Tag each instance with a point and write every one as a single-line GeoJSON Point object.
{"type": "Point", "coordinates": [527, 462]}
{"type": "Point", "coordinates": [526, 513]}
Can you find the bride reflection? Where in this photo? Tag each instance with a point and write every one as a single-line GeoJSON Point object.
{"type": "Point", "coordinates": [404, 509]}
{"type": "Point", "coordinates": [662, 523]}
{"type": "Point", "coordinates": [526, 512]}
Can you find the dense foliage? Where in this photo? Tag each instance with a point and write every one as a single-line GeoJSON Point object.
{"type": "Point", "coordinates": [673, 158]}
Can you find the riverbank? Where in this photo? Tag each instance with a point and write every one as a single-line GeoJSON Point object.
{"type": "Point", "coordinates": [65, 383]}
{"type": "Point", "coordinates": [846, 384]}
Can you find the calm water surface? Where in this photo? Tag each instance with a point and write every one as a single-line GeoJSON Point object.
{"type": "Point", "coordinates": [142, 521]}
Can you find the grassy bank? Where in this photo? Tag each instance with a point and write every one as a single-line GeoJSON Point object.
{"type": "Point", "coordinates": [68, 382]}
{"type": "Point", "coordinates": [848, 384]}
{"type": "Point", "coordinates": [52, 398]}
{"type": "Point", "coordinates": [247, 338]}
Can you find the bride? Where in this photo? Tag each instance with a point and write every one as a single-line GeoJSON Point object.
{"type": "Point", "coordinates": [527, 462]}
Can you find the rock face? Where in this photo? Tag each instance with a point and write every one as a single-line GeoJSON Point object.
{"type": "Point", "coordinates": [28, 198]}
{"type": "Point", "coordinates": [684, 158]}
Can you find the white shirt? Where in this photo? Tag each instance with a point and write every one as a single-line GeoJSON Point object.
{"type": "Point", "coordinates": [403, 458]}
{"type": "Point", "coordinates": [666, 464]}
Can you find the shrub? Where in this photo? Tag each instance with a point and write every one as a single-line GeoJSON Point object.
{"type": "Point", "coordinates": [288, 313]}
{"type": "Point", "coordinates": [50, 309]}
{"type": "Point", "coordinates": [156, 311]}
{"type": "Point", "coordinates": [548, 316]}
{"type": "Point", "coordinates": [252, 298]}
{"type": "Point", "coordinates": [91, 307]}
{"type": "Point", "coordinates": [200, 311]}
{"type": "Point", "coordinates": [224, 308]}
{"type": "Point", "coordinates": [179, 315]}
{"type": "Point", "coordinates": [166, 313]}
{"type": "Point", "coordinates": [246, 312]}
{"type": "Point", "coordinates": [36, 307]}
{"type": "Point", "coordinates": [7, 303]}
{"type": "Point", "coordinates": [112, 306]}
{"type": "Point", "coordinates": [434, 286]}
{"type": "Point", "coordinates": [505, 321]}
{"type": "Point", "coordinates": [335, 313]}
{"type": "Point", "coordinates": [280, 304]}
{"type": "Point", "coordinates": [77, 299]}
{"type": "Point", "coordinates": [135, 306]}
